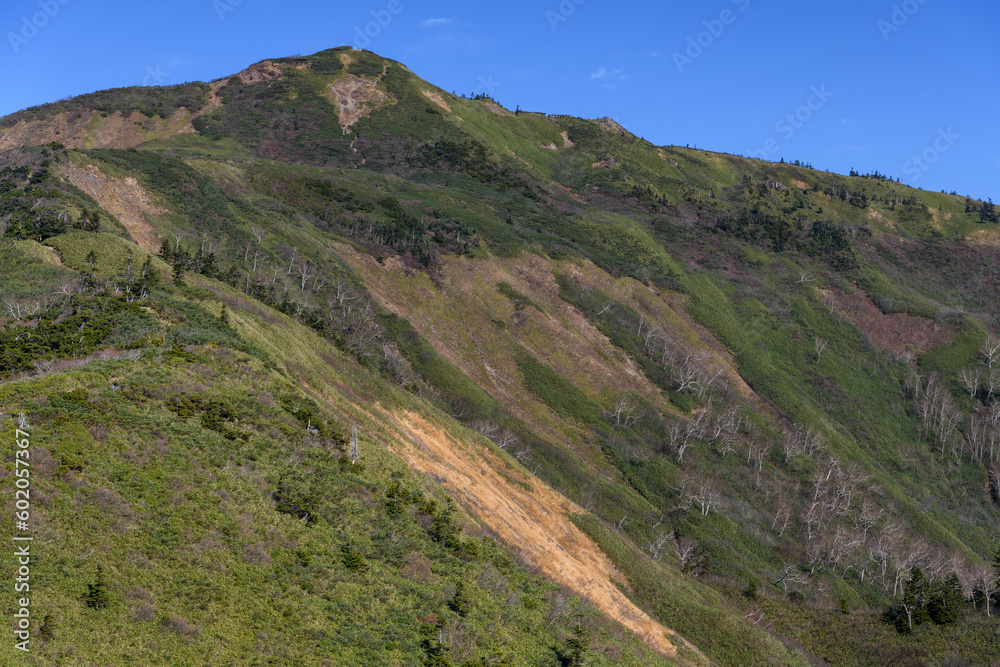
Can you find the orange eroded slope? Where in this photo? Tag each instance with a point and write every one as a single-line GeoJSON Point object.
{"type": "Point", "coordinates": [124, 199]}
{"type": "Point", "coordinates": [534, 521]}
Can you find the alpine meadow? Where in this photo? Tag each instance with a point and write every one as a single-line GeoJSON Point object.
{"type": "Point", "coordinates": [321, 364]}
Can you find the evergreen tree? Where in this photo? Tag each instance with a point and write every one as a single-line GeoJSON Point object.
{"type": "Point", "coordinates": [148, 274]}
{"type": "Point", "coordinates": [461, 603]}
{"type": "Point", "coordinates": [48, 628]}
{"type": "Point", "coordinates": [436, 652]}
{"type": "Point", "coordinates": [352, 559]}
{"type": "Point", "coordinates": [91, 259]}
{"type": "Point", "coordinates": [179, 274]}
{"type": "Point", "coordinates": [577, 645]}
{"type": "Point", "coordinates": [915, 599]}
{"type": "Point", "coordinates": [396, 498]}
{"type": "Point", "coordinates": [443, 529]}
{"type": "Point", "coordinates": [97, 592]}
{"type": "Point", "coordinates": [988, 212]}
{"type": "Point", "coordinates": [945, 600]}
{"type": "Point", "coordinates": [166, 252]}
{"type": "Point", "coordinates": [996, 568]}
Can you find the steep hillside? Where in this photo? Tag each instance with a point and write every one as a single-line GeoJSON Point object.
{"type": "Point", "coordinates": [672, 406]}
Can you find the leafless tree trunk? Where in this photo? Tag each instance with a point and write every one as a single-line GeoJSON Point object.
{"type": "Point", "coordinates": [789, 575]}
{"type": "Point", "coordinates": [259, 233]}
{"type": "Point", "coordinates": [991, 352]}
{"type": "Point", "coordinates": [970, 378]}
{"type": "Point", "coordinates": [687, 552]}
{"type": "Point", "coordinates": [658, 544]}
{"type": "Point", "coordinates": [819, 345]}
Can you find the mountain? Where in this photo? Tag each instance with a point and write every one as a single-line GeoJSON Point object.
{"type": "Point", "coordinates": [321, 364]}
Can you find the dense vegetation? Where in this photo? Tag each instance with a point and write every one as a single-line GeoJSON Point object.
{"type": "Point", "coordinates": [774, 391]}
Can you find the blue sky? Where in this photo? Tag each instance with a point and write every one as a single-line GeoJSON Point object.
{"type": "Point", "coordinates": [909, 88]}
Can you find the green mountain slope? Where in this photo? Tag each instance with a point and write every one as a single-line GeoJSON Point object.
{"type": "Point", "coordinates": [694, 407]}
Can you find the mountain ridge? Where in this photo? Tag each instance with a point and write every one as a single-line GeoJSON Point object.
{"type": "Point", "coordinates": [710, 355]}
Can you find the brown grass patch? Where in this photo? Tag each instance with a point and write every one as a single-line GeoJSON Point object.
{"type": "Point", "coordinates": [437, 99]}
{"type": "Point", "coordinates": [125, 199]}
{"type": "Point", "coordinates": [535, 521]}
{"type": "Point", "coordinates": [898, 332]}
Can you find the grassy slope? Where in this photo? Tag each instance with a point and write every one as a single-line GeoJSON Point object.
{"type": "Point", "coordinates": [650, 216]}
{"type": "Point", "coordinates": [202, 563]}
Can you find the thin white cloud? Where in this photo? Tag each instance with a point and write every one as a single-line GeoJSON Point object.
{"type": "Point", "coordinates": [435, 23]}
{"type": "Point", "coordinates": [605, 73]}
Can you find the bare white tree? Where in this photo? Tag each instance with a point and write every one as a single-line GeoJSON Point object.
{"type": "Point", "coordinates": [820, 345]}
{"type": "Point", "coordinates": [305, 273]}
{"type": "Point", "coordinates": [970, 379]}
{"type": "Point", "coordinates": [684, 434]}
{"type": "Point", "coordinates": [781, 517]}
{"type": "Point", "coordinates": [657, 546]}
{"type": "Point", "coordinates": [991, 352]}
{"type": "Point", "coordinates": [984, 580]}
{"type": "Point", "coordinates": [259, 233]}
{"type": "Point", "coordinates": [688, 553]}
{"type": "Point", "coordinates": [790, 574]}
{"type": "Point", "coordinates": [623, 411]}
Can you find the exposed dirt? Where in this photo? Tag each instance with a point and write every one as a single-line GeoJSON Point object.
{"type": "Point", "coordinates": [261, 72]}
{"type": "Point", "coordinates": [463, 329]}
{"type": "Point", "coordinates": [355, 98]}
{"type": "Point", "coordinates": [898, 332]}
{"type": "Point", "coordinates": [437, 99]}
{"type": "Point", "coordinates": [535, 522]}
{"type": "Point", "coordinates": [799, 184]}
{"type": "Point", "coordinates": [124, 199]}
{"type": "Point", "coordinates": [497, 109]}
{"type": "Point", "coordinates": [985, 237]}
{"type": "Point", "coordinates": [874, 215]}
{"type": "Point", "coordinates": [611, 125]}
{"type": "Point", "coordinates": [606, 162]}
{"type": "Point", "coordinates": [55, 256]}
{"type": "Point", "coordinates": [566, 141]}
{"type": "Point", "coordinates": [86, 129]}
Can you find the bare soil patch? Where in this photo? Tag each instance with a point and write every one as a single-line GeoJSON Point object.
{"type": "Point", "coordinates": [355, 98]}
{"type": "Point", "coordinates": [125, 199]}
{"type": "Point", "coordinates": [535, 522]}
{"type": "Point", "coordinates": [437, 99]}
{"type": "Point", "coordinates": [898, 332]}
